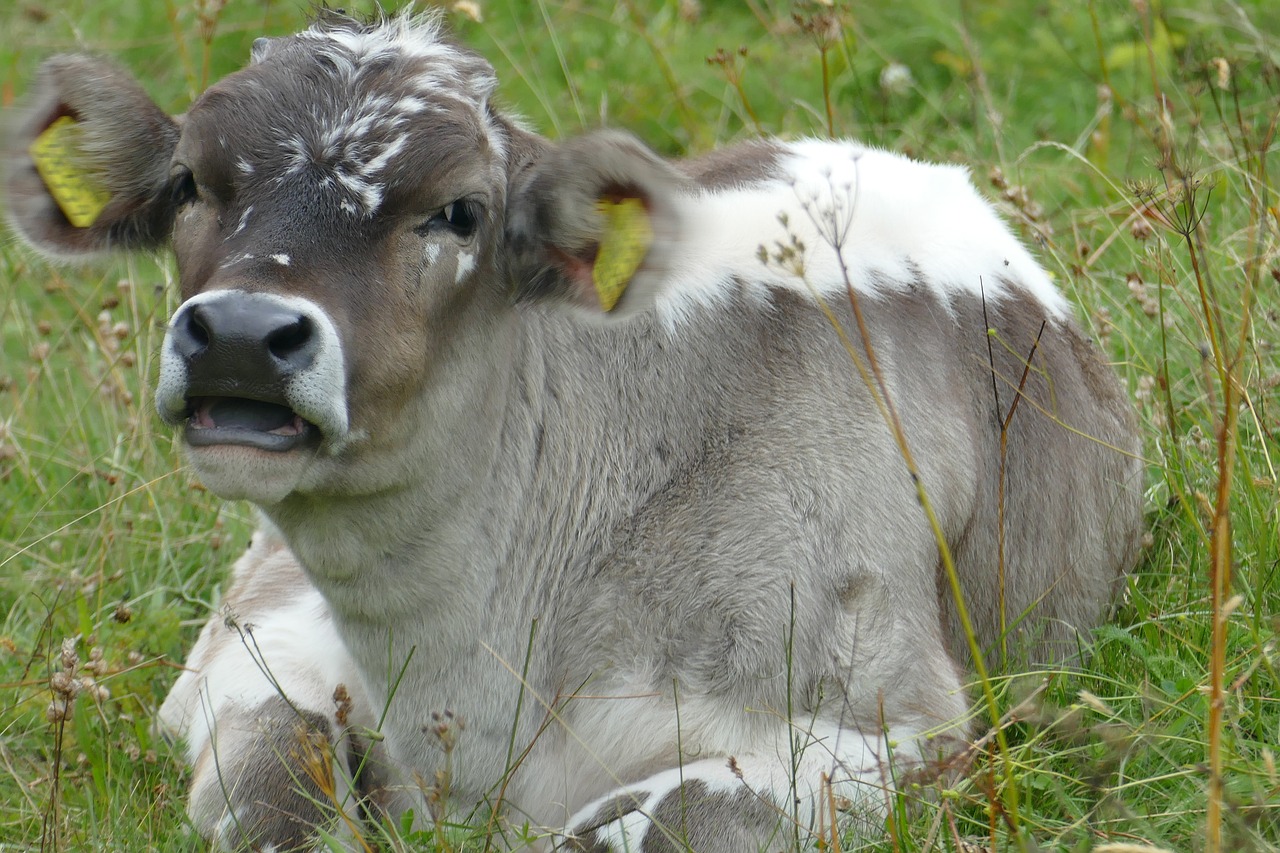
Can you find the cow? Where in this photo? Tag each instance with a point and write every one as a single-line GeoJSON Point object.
{"type": "Point", "coordinates": [609, 502]}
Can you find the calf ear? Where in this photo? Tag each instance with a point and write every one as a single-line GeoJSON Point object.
{"type": "Point", "coordinates": [103, 150]}
{"type": "Point", "coordinates": [595, 221]}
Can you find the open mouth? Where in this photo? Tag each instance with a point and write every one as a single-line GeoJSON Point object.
{"type": "Point", "coordinates": [252, 423]}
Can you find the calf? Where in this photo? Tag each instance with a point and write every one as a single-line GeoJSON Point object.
{"type": "Point", "coordinates": [591, 484]}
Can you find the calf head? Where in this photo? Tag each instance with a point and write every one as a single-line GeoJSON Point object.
{"type": "Point", "coordinates": [353, 225]}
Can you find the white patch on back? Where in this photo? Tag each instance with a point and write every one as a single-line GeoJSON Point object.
{"type": "Point", "coordinates": [900, 224]}
{"type": "Point", "coordinates": [281, 259]}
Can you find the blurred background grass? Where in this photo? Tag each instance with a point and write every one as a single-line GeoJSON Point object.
{"type": "Point", "coordinates": [1131, 143]}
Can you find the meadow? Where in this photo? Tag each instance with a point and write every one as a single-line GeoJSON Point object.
{"type": "Point", "coordinates": [1131, 143]}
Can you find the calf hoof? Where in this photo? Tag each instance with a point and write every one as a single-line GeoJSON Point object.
{"type": "Point", "coordinates": [269, 777]}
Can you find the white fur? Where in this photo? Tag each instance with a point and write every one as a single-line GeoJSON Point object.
{"type": "Point", "coordinates": [244, 220]}
{"type": "Point", "coordinates": [898, 223]}
{"type": "Point", "coordinates": [286, 647]}
{"type": "Point", "coordinates": [466, 263]}
{"type": "Point", "coordinates": [418, 36]}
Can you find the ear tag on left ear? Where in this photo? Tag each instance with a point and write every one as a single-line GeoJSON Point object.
{"type": "Point", "coordinates": [623, 245]}
{"type": "Point", "coordinates": [55, 154]}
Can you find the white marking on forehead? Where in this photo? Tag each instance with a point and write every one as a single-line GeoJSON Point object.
{"type": "Point", "coordinates": [410, 105]}
{"type": "Point", "coordinates": [466, 263]}
{"type": "Point", "coordinates": [300, 155]}
{"type": "Point", "coordinates": [281, 259]}
{"type": "Point", "coordinates": [432, 252]}
{"type": "Point", "coordinates": [415, 36]}
{"type": "Point", "coordinates": [901, 225]}
{"type": "Point", "coordinates": [379, 78]}
{"type": "Point", "coordinates": [369, 194]}
{"type": "Point", "coordinates": [379, 161]}
{"type": "Point", "coordinates": [244, 220]}
{"type": "Point", "coordinates": [245, 167]}
{"type": "Point", "coordinates": [236, 259]}
{"type": "Point", "coordinates": [350, 159]}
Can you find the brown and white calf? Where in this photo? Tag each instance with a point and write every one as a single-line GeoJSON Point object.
{"type": "Point", "coordinates": [666, 562]}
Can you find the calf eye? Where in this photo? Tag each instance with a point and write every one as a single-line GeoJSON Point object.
{"type": "Point", "coordinates": [460, 217]}
{"type": "Point", "coordinates": [182, 186]}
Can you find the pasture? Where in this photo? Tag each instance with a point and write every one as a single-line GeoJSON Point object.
{"type": "Point", "coordinates": [1131, 144]}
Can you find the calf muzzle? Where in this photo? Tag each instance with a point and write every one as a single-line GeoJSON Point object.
{"type": "Point", "coordinates": [241, 353]}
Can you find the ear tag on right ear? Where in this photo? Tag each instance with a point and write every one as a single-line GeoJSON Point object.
{"type": "Point", "coordinates": [55, 154]}
{"type": "Point", "coordinates": [623, 245]}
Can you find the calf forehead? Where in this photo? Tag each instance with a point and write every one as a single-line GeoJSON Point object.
{"type": "Point", "coordinates": [348, 112]}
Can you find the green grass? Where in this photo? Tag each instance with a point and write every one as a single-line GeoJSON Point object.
{"type": "Point", "coordinates": [1056, 107]}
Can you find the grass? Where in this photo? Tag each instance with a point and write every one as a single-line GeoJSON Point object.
{"type": "Point", "coordinates": [1132, 144]}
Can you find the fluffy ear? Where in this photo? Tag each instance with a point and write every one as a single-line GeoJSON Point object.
{"type": "Point", "coordinates": [109, 143]}
{"type": "Point", "coordinates": [595, 221]}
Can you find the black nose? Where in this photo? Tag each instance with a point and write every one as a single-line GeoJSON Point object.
{"type": "Point", "coordinates": [239, 344]}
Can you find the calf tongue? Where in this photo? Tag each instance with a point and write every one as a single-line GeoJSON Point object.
{"type": "Point", "coordinates": [233, 413]}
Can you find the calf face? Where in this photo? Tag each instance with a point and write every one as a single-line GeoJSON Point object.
{"type": "Point", "coordinates": [692, 522]}
{"type": "Point", "coordinates": [334, 209]}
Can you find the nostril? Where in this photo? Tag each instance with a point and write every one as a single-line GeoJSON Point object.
{"type": "Point", "coordinates": [191, 332]}
{"type": "Point", "coordinates": [197, 326]}
{"type": "Point", "coordinates": [289, 341]}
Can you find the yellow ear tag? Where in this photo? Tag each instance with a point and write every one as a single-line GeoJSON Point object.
{"type": "Point", "coordinates": [626, 240]}
{"type": "Point", "coordinates": [55, 154]}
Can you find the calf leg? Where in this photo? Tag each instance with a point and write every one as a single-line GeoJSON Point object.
{"type": "Point", "coordinates": [759, 801]}
{"type": "Point", "coordinates": [264, 708]}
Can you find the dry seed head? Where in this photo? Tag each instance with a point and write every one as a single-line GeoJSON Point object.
{"type": "Point", "coordinates": [58, 711]}
{"type": "Point", "coordinates": [342, 699]}
{"type": "Point", "coordinates": [823, 27]}
{"type": "Point", "coordinates": [63, 684]}
{"type": "Point", "coordinates": [70, 660]}
{"type": "Point", "coordinates": [469, 9]}
{"type": "Point", "coordinates": [896, 79]}
{"type": "Point", "coordinates": [445, 726]}
{"type": "Point", "coordinates": [1146, 387]}
{"type": "Point", "coordinates": [1224, 72]}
